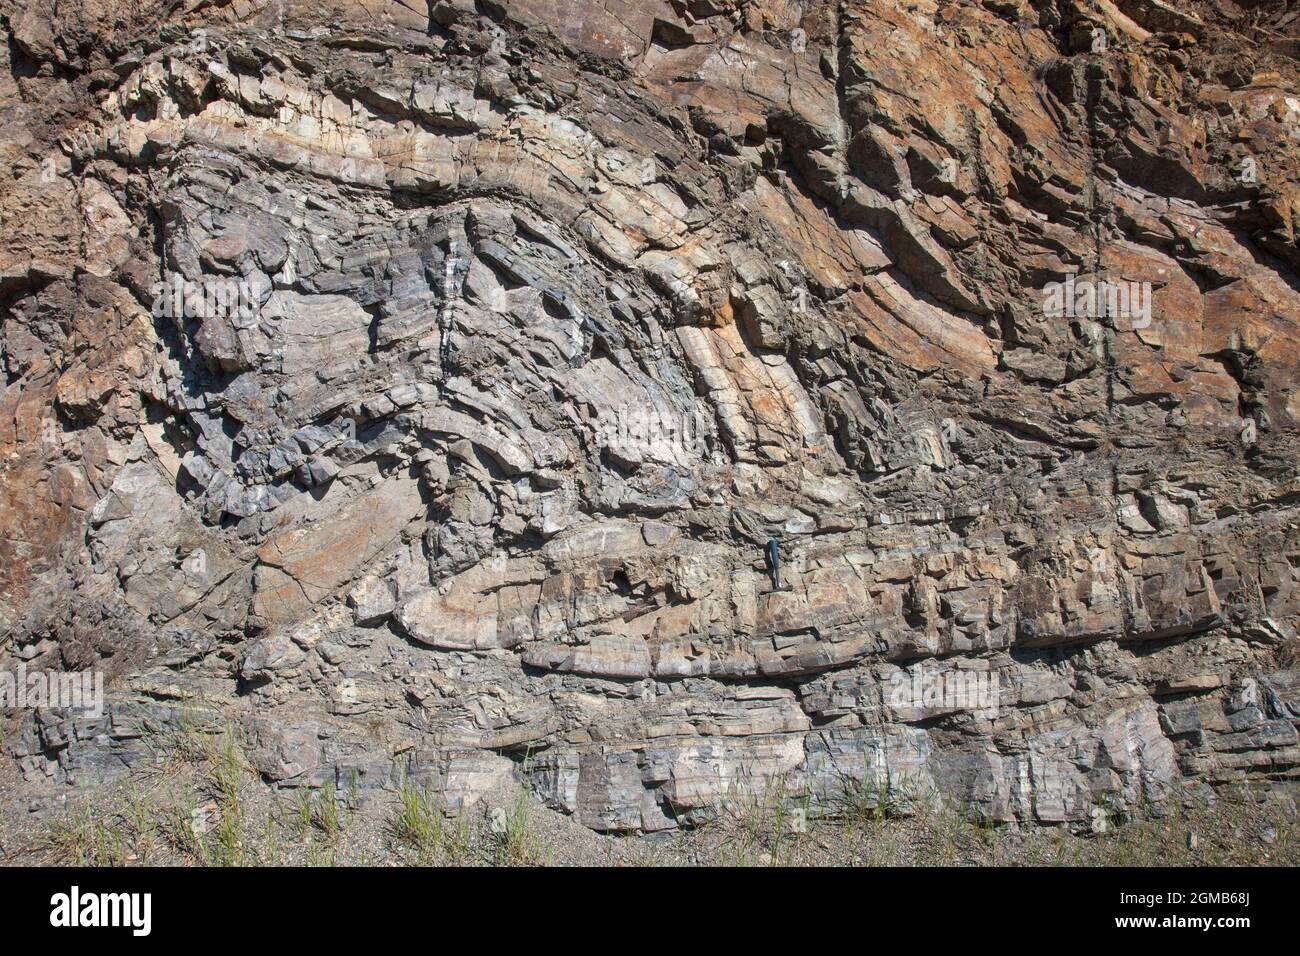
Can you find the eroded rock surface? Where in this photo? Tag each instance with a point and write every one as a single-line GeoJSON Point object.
{"type": "Point", "coordinates": [419, 390]}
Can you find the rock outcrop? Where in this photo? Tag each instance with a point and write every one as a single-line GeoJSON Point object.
{"type": "Point", "coordinates": [419, 390]}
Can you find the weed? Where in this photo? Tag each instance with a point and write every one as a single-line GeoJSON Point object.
{"type": "Point", "coordinates": [518, 843]}
{"type": "Point", "coordinates": [83, 838]}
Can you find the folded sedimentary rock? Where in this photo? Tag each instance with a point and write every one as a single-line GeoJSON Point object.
{"type": "Point", "coordinates": [862, 398]}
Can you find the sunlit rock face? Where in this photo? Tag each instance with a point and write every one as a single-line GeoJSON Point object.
{"type": "Point", "coordinates": [423, 394]}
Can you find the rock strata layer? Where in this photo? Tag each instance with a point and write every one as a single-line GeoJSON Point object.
{"type": "Point", "coordinates": [419, 390]}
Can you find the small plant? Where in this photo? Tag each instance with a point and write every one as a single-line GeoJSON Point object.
{"type": "Point", "coordinates": [420, 824]}
{"type": "Point", "coordinates": [517, 843]}
{"type": "Point", "coordinates": [305, 813]}
{"type": "Point", "coordinates": [229, 846]}
{"type": "Point", "coordinates": [120, 829]}
{"type": "Point", "coordinates": [139, 814]}
{"type": "Point", "coordinates": [991, 834]}
{"type": "Point", "coordinates": [758, 826]}
{"type": "Point", "coordinates": [184, 746]}
{"type": "Point", "coordinates": [417, 821]}
{"type": "Point", "coordinates": [83, 838]}
{"type": "Point", "coordinates": [866, 800]}
{"type": "Point", "coordinates": [227, 773]}
{"type": "Point", "coordinates": [180, 826]}
{"type": "Point", "coordinates": [327, 813]}
{"type": "Point", "coordinates": [322, 813]}
{"type": "Point", "coordinates": [1062, 851]}
{"type": "Point", "coordinates": [318, 855]}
